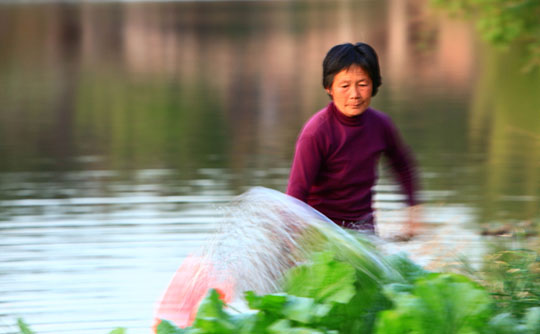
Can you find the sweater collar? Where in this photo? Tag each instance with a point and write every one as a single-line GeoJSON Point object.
{"type": "Point", "coordinates": [346, 120]}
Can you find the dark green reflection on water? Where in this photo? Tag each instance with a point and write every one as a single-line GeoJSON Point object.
{"type": "Point", "coordinates": [505, 126]}
{"type": "Point", "coordinates": [153, 124]}
{"type": "Point", "coordinates": [227, 85]}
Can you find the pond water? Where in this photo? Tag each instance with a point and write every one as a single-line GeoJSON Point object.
{"type": "Point", "coordinates": [125, 126]}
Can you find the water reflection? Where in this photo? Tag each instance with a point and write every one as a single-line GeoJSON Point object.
{"type": "Point", "coordinates": [124, 127]}
{"type": "Point", "coordinates": [505, 125]}
{"type": "Point", "coordinates": [178, 84]}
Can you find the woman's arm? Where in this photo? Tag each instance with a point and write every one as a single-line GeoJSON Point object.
{"type": "Point", "coordinates": [305, 167]}
{"type": "Point", "coordinates": [402, 163]}
{"type": "Point", "coordinates": [404, 168]}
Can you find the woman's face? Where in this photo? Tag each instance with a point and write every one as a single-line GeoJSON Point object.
{"type": "Point", "coordinates": [351, 90]}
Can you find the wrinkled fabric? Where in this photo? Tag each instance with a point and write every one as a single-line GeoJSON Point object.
{"type": "Point", "coordinates": [335, 163]}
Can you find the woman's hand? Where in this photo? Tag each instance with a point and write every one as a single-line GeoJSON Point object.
{"type": "Point", "coordinates": [413, 224]}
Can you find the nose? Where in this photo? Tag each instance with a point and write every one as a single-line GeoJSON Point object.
{"type": "Point", "coordinates": [355, 92]}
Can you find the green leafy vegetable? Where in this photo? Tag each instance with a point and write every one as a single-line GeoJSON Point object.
{"type": "Point", "coordinates": [438, 303]}
{"type": "Point", "coordinates": [119, 330]}
{"type": "Point", "coordinates": [354, 289]}
{"type": "Point", "coordinates": [23, 327]}
{"type": "Point", "coordinates": [325, 280]}
{"type": "Point", "coordinates": [165, 327]}
{"type": "Point", "coordinates": [284, 327]}
{"type": "Point", "coordinates": [212, 318]}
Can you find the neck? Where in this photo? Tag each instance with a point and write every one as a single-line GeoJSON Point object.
{"type": "Point", "coordinates": [344, 119]}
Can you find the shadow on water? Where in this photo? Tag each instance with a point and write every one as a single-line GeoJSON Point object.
{"type": "Point", "coordinates": [125, 126]}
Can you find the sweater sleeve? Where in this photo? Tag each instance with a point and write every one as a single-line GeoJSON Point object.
{"type": "Point", "coordinates": [402, 163]}
{"type": "Point", "coordinates": [305, 167]}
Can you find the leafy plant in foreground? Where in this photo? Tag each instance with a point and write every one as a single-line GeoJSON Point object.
{"type": "Point", "coordinates": [335, 293]}
{"type": "Point", "coordinates": [331, 294]}
{"type": "Point", "coordinates": [352, 296]}
{"type": "Point", "coordinates": [513, 277]}
{"type": "Point", "coordinates": [23, 327]}
{"type": "Point", "coordinates": [438, 303]}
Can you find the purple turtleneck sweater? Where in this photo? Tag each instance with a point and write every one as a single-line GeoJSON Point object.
{"type": "Point", "coordinates": [335, 163]}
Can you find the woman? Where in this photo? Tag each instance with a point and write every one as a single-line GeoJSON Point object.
{"type": "Point", "coordinates": [334, 166]}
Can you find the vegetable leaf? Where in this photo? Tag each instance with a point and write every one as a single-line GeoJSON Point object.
{"type": "Point", "coordinates": [438, 303]}
{"type": "Point", "coordinates": [212, 318]}
{"type": "Point", "coordinates": [325, 279]}
{"type": "Point", "coordinates": [23, 327]}
{"type": "Point", "coordinates": [118, 330]}
{"type": "Point", "coordinates": [166, 327]}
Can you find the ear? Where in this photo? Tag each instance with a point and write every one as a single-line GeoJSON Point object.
{"type": "Point", "coordinates": [329, 91]}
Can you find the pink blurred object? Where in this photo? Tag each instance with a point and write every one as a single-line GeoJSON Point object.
{"type": "Point", "coordinates": [188, 287]}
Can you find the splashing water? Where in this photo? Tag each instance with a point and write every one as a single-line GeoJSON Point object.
{"type": "Point", "coordinates": [267, 232]}
{"type": "Point", "coordinates": [263, 234]}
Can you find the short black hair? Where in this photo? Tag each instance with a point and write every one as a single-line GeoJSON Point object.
{"type": "Point", "coordinates": [342, 56]}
